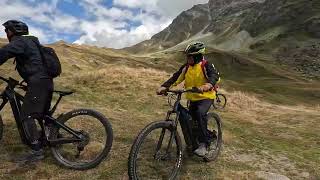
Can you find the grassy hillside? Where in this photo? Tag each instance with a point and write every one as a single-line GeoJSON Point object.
{"type": "Point", "coordinates": [261, 136]}
{"type": "Point", "coordinates": [257, 74]}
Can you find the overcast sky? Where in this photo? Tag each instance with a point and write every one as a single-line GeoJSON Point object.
{"type": "Point", "coordinates": [108, 23]}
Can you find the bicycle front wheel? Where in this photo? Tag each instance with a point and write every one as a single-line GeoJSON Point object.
{"type": "Point", "coordinates": [97, 137]}
{"type": "Point", "coordinates": [156, 152]}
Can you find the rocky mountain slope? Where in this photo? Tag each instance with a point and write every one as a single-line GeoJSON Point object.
{"type": "Point", "coordinates": [286, 31]}
{"type": "Point", "coordinates": [187, 24]}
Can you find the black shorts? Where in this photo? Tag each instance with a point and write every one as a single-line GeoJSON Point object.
{"type": "Point", "coordinates": [38, 98]}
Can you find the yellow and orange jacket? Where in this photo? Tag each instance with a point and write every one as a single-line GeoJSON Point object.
{"type": "Point", "coordinates": [195, 76]}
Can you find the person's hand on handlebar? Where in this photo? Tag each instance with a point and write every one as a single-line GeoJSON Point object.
{"type": "Point", "coordinates": [206, 87]}
{"type": "Point", "coordinates": [162, 90]}
{"type": "Point", "coordinates": [195, 90]}
{"type": "Point", "coordinates": [22, 86]}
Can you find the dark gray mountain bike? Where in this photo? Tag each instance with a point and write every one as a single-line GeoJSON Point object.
{"type": "Point", "coordinates": [79, 139]}
{"type": "Point", "coordinates": [157, 151]}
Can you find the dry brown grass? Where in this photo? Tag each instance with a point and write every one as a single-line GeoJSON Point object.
{"type": "Point", "coordinates": [282, 138]}
{"type": "Point", "coordinates": [250, 108]}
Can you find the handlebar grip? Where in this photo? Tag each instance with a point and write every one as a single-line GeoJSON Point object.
{"type": "Point", "coordinates": [23, 87]}
{"type": "Point", "coordinates": [4, 79]}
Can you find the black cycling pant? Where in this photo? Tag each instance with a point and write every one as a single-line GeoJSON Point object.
{"type": "Point", "coordinates": [198, 111]}
{"type": "Point", "coordinates": [35, 105]}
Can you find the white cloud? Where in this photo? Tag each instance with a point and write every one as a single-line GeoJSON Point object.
{"type": "Point", "coordinates": [114, 34]}
{"type": "Point", "coordinates": [172, 8]}
{"type": "Point", "coordinates": [167, 8]}
{"type": "Point", "coordinates": [147, 4]}
{"type": "Point", "coordinates": [43, 14]}
{"type": "Point", "coordinates": [43, 38]}
{"type": "Point", "coordinates": [155, 15]}
{"type": "Point", "coordinates": [125, 24]}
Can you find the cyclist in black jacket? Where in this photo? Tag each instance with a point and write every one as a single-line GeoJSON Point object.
{"type": "Point", "coordinates": [29, 65]}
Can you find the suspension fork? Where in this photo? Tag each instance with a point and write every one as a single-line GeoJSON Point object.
{"type": "Point", "coordinates": [14, 100]}
{"type": "Point", "coordinates": [170, 141]}
{"type": "Point", "coordinates": [159, 142]}
{"type": "Point", "coordinates": [172, 135]}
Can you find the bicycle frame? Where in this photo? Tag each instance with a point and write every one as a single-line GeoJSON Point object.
{"type": "Point", "coordinates": [175, 110]}
{"type": "Point", "coordinates": [15, 99]}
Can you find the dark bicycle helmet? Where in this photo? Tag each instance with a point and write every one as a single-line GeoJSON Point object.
{"type": "Point", "coordinates": [17, 27]}
{"type": "Point", "coordinates": [195, 48]}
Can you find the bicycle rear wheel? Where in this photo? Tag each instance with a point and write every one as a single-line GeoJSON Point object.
{"type": "Point", "coordinates": [220, 101]}
{"type": "Point", "coordinates": [153, 155]}
{"type": "Point", "coordinates": [215, 129]}
{"type": "Point", "coordinates": [97, 135]}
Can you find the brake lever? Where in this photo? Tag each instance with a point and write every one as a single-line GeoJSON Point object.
{"type": "Point", "coordinates": [23, 87]}
{"type": "Point", "coordinates": [21, 83]}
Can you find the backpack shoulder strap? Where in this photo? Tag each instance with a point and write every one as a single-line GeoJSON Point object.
{"type": "Point", "coordinates": [203, 64]}
{"type": "Point", "coordinates": [39, 47]}
{"type": "Point", "coordinates": [41, 53]}
{"type": "Point", "coordinates": [185, 69]}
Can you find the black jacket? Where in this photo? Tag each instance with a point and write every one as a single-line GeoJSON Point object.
{"type": "Point", "coordinates": [27, 57]}
{"type": "Point", "coordinates": [211, 74]}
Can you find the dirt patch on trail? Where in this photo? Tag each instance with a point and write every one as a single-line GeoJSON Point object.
{"type": "Point", "coordinates": [266, 165]}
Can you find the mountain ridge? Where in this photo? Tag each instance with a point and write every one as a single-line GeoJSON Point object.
{"type": "Point", "coordinates": [258, 27]}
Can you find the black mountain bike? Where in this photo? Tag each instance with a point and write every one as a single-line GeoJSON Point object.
{"type": "Point", "coordinates": [157, 151]}
{"type": "Point", "coordinates": [79, 139]}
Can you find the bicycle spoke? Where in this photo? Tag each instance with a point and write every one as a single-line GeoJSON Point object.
{"type": "Point", "coordinates": [157, 163]}
{"type": "Point", "coordinates": [93, 139]}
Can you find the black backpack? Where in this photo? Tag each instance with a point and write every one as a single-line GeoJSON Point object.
{"type": "Point", "coordinates": [50, 60]}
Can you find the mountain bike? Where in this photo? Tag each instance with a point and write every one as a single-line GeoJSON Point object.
{"type": "Point", "coordinates": [220, 101]}
{"type": "Point", "coordinates": [79, 139]}
{"type": "Point", "coordinates": [157, 151]}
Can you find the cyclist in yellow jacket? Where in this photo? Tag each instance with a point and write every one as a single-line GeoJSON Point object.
{"type": "Point", "coordinates": [199, 73]}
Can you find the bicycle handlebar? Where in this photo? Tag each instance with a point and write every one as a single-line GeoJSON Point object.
{"type": "Point", "coordinates": [14, 83]}
{"type": "Point", "coordinates": [4, 79]}
{"type": "Point", "coordinates": [192, 90]}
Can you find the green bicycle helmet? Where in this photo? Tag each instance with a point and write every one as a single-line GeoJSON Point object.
{"type": "Point", "coordinates": [195, 48]}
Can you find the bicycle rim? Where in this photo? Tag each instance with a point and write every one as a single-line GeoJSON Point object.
{"type": "Point", "coordinates": [153, 157]}
{"type": "Point", "coordinates": [89, 152]}
{"type": "Point", "coordinates": [215, 131]}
